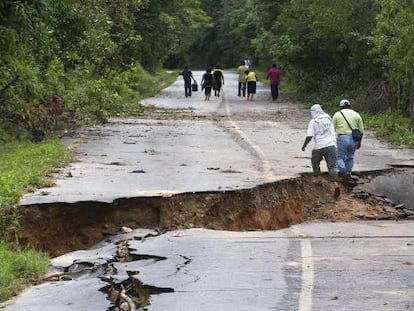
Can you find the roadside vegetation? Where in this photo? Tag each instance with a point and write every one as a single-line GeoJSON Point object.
{"type": "Point", "coordinates": [27, 164]}
{"type": "Point", "coordinates": [68, 63]}
{"type": "Point", "coordinates": [18, 268]}
{"type": "Point", "coordinates": [24, 165]}
{"type": "Point", "coordinates": [392, 127]}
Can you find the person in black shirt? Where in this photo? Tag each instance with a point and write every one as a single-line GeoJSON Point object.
{"type": "Point", "coordinates": [219, 79]}
{"type": "Point", "coordinates": [207, 83]}
{"type": "Point", "coordinates": [187, 76]}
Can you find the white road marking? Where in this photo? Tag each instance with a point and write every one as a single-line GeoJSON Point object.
{"type": "Point", "coordinates": [306, 293]}
{"type": "Point", "coordinates": [267, 169]}
{"type": "Point", "coordinates": [305, 298]}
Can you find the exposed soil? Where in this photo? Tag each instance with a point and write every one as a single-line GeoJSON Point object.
{"type": "Point", "coordinates": [62, 227]}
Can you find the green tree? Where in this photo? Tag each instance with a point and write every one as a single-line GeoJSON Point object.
{"type": "Point", "coordinates": [165, 25]}
{"type": "Point", "coordinates": [322, 43]}
{"type": "Point", "coordinates": [394, 43]}
{"type": "Point", "coordinates": [225, 40]}
{"type": "Point", "coordinates": [85, 54]}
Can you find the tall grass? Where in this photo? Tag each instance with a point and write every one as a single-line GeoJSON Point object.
{"type": "Point", "coordinates": [23, 165]}
{"type": "Point", "coordinates": [392, 127]}
{"type": "Point", "coordinates": [18, 268]}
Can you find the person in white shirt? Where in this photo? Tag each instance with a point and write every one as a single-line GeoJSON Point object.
{"type": "Point", "coordinates": [321, 129]}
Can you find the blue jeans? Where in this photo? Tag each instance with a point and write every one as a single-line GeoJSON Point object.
{"type": "Point", "coordinates": [346, 147]}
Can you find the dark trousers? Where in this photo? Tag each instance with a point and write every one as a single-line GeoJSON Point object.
{"type": "Point", "coordinates": [242, 88]}
{"type": "Point", "coordinates": [187, 88]}
{"type": "Point", "coordinates": [274, 89]}
{"type": "Point", "coordinates": [329, 153]}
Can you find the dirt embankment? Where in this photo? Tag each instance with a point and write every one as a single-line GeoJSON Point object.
{"type": "Point", "coordinates": [61, 227]}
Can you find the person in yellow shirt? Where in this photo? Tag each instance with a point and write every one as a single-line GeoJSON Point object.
{"type": "Point", "coordinates": [344, 121]}
{"type": "Point", "coordinates": [251, 79]}
{"type": "Point", "coordinates": [242, 78]}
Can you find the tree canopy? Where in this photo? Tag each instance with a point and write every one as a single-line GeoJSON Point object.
{"type": "Point", "coordinates": [91, 55]}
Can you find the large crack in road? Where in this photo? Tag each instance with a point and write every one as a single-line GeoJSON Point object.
{"type": "Point", "coordinates": [62, 227]}
{"type": "Point", "coordinates": [257, 188]}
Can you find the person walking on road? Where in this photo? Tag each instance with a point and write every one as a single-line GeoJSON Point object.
{"type": "Point", "coordinates": [251, 79]}
{"type": "Point", "coordinates": [344, 122]}
{"type": "Point", "coordinates": [321, 129]}
{"type": "Point", "coordinates": [219, 80]}
{"type": "Point", "coordinates": [242, 78]}
{"type": "Point", "coordinates": [207, 83]}
{"type": "Point", "coordinates": [187, 76]}
{"type": "Point", "coordinates": [274, 74]}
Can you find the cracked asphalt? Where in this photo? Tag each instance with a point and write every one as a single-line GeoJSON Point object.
{"type": "Point", "coordinates": [226, 143]}
{"type": "Point", "coordinates": [223, 144]}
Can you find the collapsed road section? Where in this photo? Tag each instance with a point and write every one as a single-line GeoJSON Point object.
{"type": "Point", "coordinates": [58, 228]}
{"type": "Point", "coordinates": [167, 266]}
{"type": "Point", "coordinates": [234, 167]}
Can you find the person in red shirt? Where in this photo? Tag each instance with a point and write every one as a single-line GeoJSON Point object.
{"type": "Point", "coordinates": [275, 76]}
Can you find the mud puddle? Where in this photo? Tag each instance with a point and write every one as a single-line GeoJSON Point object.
{"type": "Point", "coordinates": [58, 228]}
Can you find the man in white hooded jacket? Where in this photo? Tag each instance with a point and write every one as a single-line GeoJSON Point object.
{"type": "Point", "coordinates": [321, 128]}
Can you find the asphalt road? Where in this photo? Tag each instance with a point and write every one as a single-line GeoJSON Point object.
{"type": "Point", "coordinates": [260, 141]}
{"type": "Point", "coordinates": [318, 266]}
{"type": "Point", "coordinates": [315, 266]}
